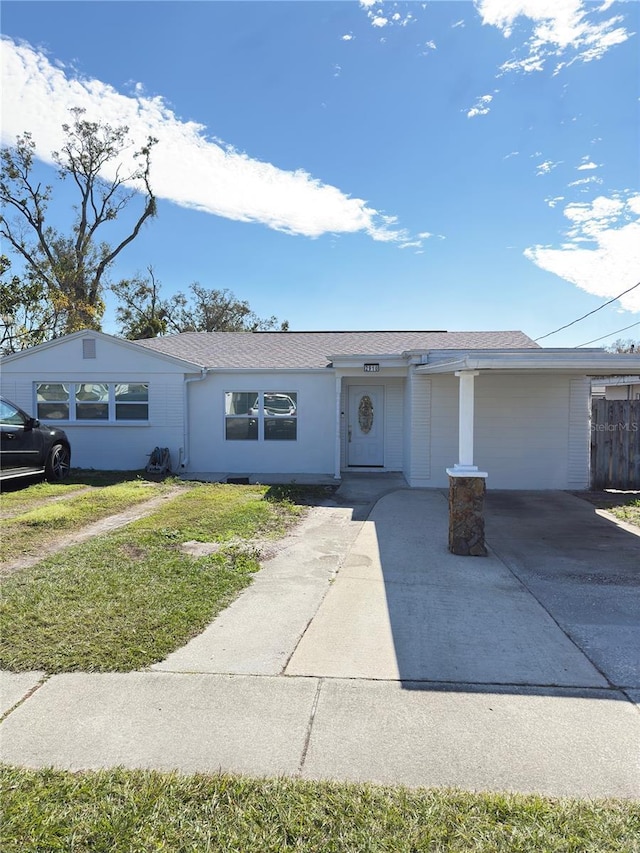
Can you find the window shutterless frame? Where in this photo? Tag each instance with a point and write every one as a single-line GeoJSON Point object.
{"type": "Point", "coordinates": [92, 402]}
{"type": "Point", "coordinates": [261, 415]}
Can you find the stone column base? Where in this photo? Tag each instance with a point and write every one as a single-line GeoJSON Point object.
{"type": "Point", "coordinates": [466, 516]}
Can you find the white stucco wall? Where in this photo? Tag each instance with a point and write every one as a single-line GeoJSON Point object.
{"type": "Point", "coordinates": [312, 452]}
{"type": "Point", "coordinates": [116, 446]}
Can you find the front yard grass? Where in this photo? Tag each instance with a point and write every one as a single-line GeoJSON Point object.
{"type": "Point", "coordinates": [124, 600]}
{"type": "Point", "coordinates": [119, 811]}
{"type": "Point", "coordinates": [42, 512]}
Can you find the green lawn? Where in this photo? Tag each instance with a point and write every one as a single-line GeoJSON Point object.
{"type": "Point", "coordinates": [125, 600]}
{"type": "Point", "coordinates": [120, 811]}
{"type": "Point", "coordinates": [35, 525]}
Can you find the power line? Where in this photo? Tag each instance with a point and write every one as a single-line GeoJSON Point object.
{"type": "Point", "coordinates": [548, 335]}
{"type": "Point", "coordinates": [609, 335]}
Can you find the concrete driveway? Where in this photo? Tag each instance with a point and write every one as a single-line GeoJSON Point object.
{"type": "Point", "coordinates": [556, 602]}
{"type": "Point", "coordinates": [365, 651]}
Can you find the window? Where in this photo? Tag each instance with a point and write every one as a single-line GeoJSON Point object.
{"type": "Point", "coordinates": [105, 402]}
{"type": "Point", "coordinates": [9, 415]}
{"type": "Point", "coordinates": [132, 401]}
{"type": "Point", "coordinates": [92, 401]}
{"type": "Point", "coordinates": [261, 415]}
{"type": "Point", "coordinates": [241, 422]}
{"type": "Point", "coordinates": [53, 401]}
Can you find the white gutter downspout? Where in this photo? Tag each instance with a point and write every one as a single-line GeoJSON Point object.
{"type": "Point", "coordinates": [185, 408]}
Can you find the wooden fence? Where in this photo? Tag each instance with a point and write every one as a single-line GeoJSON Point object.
{"type": "Point", "coordinates": [615, 444]}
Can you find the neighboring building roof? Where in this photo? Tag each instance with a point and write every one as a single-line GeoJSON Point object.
{"type": "Point", "coordinates": [313, 349]}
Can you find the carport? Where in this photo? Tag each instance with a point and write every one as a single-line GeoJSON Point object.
{"type": "Point", "coordinates": [466, 480]}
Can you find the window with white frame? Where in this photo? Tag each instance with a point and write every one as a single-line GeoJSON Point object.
{"type": "Point", "coordinates": [261, 415]}
{"type": "Point", "coordinates": [106, 402]}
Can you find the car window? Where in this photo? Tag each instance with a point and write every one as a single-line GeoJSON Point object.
{"type": "Point", "coordinates": [10, 415]}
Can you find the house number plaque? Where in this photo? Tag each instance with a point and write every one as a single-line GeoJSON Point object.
{"type": "Point", "coordinates": [372, 368]}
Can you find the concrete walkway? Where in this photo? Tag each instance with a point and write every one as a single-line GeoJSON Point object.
{"type": "Point", "coordinates": [365, 651]}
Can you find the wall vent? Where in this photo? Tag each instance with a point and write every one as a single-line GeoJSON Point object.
{"type": "Point", "coordinates": [88, 347]}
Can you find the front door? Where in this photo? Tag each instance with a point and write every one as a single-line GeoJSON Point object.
{"type": "Point", "coordinates": [365, 428]}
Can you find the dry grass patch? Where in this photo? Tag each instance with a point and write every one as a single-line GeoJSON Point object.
{"type": "Point", "coordinates": [125, 600]}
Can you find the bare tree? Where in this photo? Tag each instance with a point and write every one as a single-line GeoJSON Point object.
{"type": "Point", "coordinates": [71, 267]}
{"type": "Point", "coordinates": [621, 345]}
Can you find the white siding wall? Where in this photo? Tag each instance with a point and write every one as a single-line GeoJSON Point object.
{"type": "Point", "coordinates": [530, 431]}
{"type": "Point", "coordinates": [115, 446]}
{"type": "Point", "coordinates": [311, 453]}
{"type": "Point", "coordinates": [579, 439]}
{"type": "Point", "coordinates": [417, 461]}
{"type": "Point", "coordinates": [393, 424]}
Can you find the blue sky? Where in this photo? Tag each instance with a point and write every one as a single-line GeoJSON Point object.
{"type": "Point", "coordinates": [359, 165]}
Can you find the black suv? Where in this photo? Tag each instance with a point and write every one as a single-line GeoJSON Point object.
{"type": "Point", "coordinates": [29, 448]}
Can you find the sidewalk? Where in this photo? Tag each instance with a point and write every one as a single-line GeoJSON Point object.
{"type": "Point", "coordinates": [363, 651]}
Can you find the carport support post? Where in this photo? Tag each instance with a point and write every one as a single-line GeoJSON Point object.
{"type": "Point", "coordinates": [467, 484]}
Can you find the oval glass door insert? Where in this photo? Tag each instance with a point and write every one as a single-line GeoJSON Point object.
{"type": "Point", "coordinates": [365, 414]}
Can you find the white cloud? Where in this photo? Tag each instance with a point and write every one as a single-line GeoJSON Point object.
{"type": "Point", "coordinates": [378, 18]}
{"type": "Point", "coordinates": [589, 165]}
{"type": "Point", "coordinates": [592, 179]}
{"type": "Point", "coordinates": [610, 262]}
{"type": "Point", "coordinates": [481, 106]}
{"type": "Point", "coordinates": [561, 28]}
{"type": "Point", "coordinates": [510, 154]}
{"type": "Point", "coordinates": [552, 202]}
{"type": "Point", "coordinates": [546, 167]}
{"type": "Point", "coordinates": [189, 167]}
{"type": "Point", "coordinates": [347, 37]}
{"type": "Point", "coordinates": [459, 23]}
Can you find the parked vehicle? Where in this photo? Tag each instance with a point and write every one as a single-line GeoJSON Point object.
{"type": "Point", "coordinates": [275, 405]}
{"type": "Point", "coordinates": [29, 448]}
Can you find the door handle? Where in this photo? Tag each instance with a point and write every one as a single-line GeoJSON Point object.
{"type": "Point", "coordinates": [349, 435]}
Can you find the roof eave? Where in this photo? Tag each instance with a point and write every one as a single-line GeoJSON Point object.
{"type": "Point", "coordinates": [594, 363]}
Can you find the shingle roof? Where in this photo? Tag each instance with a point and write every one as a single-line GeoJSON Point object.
{"type": "Point", "coordinates": [312, 349]}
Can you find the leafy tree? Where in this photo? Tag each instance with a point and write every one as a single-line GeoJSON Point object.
{"type": "Point", "coordinates": [142, 313]}
{"type": "Point", "coordinates": [620, 345]}
{"type": "Point", "coordinates": [26, 316]}
{"type": "Point", "coordinates": [69, 269]}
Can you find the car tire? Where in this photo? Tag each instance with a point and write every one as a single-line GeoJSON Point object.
{"type": "Point", "coordinates": [58, 463]}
